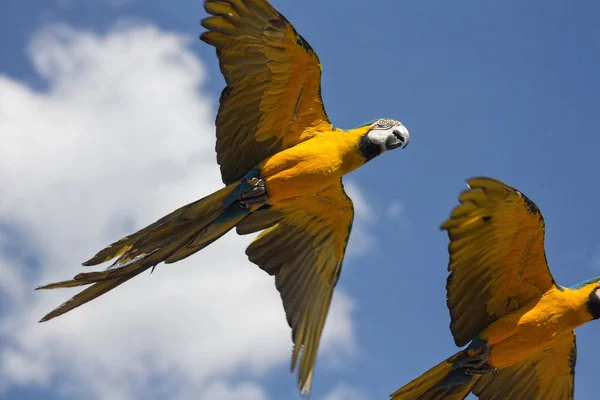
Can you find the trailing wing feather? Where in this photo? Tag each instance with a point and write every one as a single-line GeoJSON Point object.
{"type": "Point", "coordinates": [273, 96]}
{"type": "Point", "coordinates": [304, 249]}
{"type": "Point", "coordinates": [259, 220]}
{"type": "Point", "coordinates": [170, 239]}
{"type": "Point", "coordinates": [163, 228]}
{"type": "Point", "coordinates": [429, 386]}
{"type": "Point", "coordinates": [497, 257]}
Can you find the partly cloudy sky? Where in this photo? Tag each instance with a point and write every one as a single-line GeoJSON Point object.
{"type": "Point", "coordinates": [107, 123]}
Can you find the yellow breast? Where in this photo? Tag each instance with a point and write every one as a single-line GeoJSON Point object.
{"type": "Point", "coordinates": [313, 165]}
{"type": "Point", "coordinates": [535, 326]}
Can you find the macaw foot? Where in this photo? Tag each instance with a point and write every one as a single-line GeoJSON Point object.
{"type": "Point", "coordinates": [475, 359]}
{"type": "Point", "coordinates": [256, 195]}
{"type": "Point", "coordinates": [484, 369]}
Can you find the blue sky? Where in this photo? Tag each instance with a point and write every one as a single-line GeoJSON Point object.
{"type": "Point", "coordinates": [505, 89]}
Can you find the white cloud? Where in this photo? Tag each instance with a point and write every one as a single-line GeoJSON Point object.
{"type": "Point", "coordinates": [346, 392]}
{"type": "Point", "coordinates": [222, 391]}
{"type": "Point", "coordinates": [362, 240]}
{"type": "Point", "coordinates": [84, 3]}
{"type": "Point", "coordinates": [396, 210]}
{"type": "Point", "coordinates": [123, 136]}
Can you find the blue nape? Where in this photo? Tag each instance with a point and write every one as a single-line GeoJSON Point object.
{"type": "Point", "coordinates": [365, 124]}
{"type": "Point", "coordinates": [582, 284]}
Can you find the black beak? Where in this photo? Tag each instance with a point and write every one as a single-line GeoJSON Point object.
{"type": "Point", "coordinates": [402, 134]}
{"type": "Point", "coordinates": [398, 139]}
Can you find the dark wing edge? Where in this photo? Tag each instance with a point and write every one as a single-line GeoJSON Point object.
{"type": "Point", "coordinates": [494, 232]}
{"type": "Point", "coordinates": [273, 77]}
{"type": "Point", "coordinates": [310, 244]}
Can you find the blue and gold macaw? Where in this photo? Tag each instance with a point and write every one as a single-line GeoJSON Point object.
{"type": "Point", "coordinates": [282, 162]}
{"type": "Point", "coordinates": [504, 301]}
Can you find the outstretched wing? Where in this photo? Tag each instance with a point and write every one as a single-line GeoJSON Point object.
{"type": "Point", "coordinates": [273, 76]}
{"type": "Point", "coordinates": [304, 250]}
{"type": "Point", "coordinates": [549, 375]}
{"type": "Point", "coordinates": [497, 258]}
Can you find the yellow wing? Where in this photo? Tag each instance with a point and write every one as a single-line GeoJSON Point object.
{"type": "Point", "coordinates": [273, 76]}
{"type": "Point", "coordinates": [549, 375]}
{"type": "Point", "coordinates": [497, 258]}
{"type": "Point", "coordinates": [304, 249]}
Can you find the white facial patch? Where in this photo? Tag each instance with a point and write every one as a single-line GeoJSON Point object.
{"type": "Point", "coordinates": [379, 136]}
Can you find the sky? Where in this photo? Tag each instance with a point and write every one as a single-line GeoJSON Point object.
{"type": "Point", "coordinates": [107, 123]}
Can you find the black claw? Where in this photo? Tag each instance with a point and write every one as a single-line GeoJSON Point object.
{"type": "Point", "coordinates": [256, 195]}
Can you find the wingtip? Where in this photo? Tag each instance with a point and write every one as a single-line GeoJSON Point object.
{"type": "Point", "coordinates": [476, 178]}
{"type": "Point", "coordinates": [479, 179]}
{"type": "Point", "coordinates": [44, 287]}
{"type": "Point", "coordinates": [47, 317]}
{"type": "Point", "coordinates": [55, 285]}
{"type": "Point", "coordinates": [97, 259]}
{"type": "Point", "coordinates": [305, 392]}
{"type": "Point", "coordinates": [203, 36]}
{"type": "Point", "coordinates": [100, 258]}
{"type": "Point", "coordinates": [306, 386]}
{"type": "Point", "coordinates": [444, 226]}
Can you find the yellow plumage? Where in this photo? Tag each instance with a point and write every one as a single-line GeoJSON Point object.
{"type": "Point", "coordinates": [503, 299]}
{"type": "Point", "coordinates": [282, 162]}
{"type": "Point", "coordinates": [312, 165]}
{"type": "Point", "coordinates": [273, 78]}
{"type": "Point", "coordinates": [420, 388]}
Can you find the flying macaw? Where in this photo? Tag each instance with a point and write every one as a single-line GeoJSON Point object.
{"type": "Point", "coordinates": [282, 163]}
{"type": "Point", "coordinates": [504, 301]}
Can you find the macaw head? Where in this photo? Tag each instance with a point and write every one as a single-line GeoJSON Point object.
{"type": "Point", "coordinates": [593, 301]}
{"type": "Point", "coordinates": [384, 134]}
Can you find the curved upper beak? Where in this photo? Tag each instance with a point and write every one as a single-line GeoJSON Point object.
{"type": "Point", "coordinates": [402, 135]}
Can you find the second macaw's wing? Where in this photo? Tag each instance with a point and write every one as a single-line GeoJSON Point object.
{"type": "Point", "coordinates": [304, 249]}
{"type": "Point", "coordinates": [273, 76]}
{"type": "Point", "coordinates": [497, 257]}
{"type": "Point", "coordinates": [548, 375]}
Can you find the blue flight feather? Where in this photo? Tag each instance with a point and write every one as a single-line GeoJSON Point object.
{"type": "Point", "coordinates": [244, 187]}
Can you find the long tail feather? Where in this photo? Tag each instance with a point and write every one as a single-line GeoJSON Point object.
{"type": "Point", "coordinates": [170, 239]}
{"type": "Point", "coordinates": [440, 382]}
{"type": "Point", "coordinates": [84, 296]}
{"type": "Point", "coordinates": [189, 212]}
